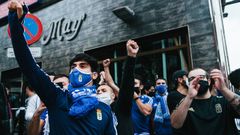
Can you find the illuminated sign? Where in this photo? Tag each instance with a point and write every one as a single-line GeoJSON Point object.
{"type": "Point", "coordinates": [4, 7]}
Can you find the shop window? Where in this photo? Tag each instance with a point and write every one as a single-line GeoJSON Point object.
{"type": "Point", "coordinates": [13, 80]}
{"type": "Point", "coordinates": [159, 55]}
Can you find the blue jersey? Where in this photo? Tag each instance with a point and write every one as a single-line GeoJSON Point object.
{"type": "Point", "coordinates": [98, 121]}
{"type": "Point", "coordinates": [44, 114]}
{"type": "Point", "coordinates": [141, 122]}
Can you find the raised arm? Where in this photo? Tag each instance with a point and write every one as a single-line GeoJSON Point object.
{"type": "Point", "coordinates": [36, 123]}
{"type": "Point", "coordinates": [108, 77]}
{"type": "Point", "coordinates": [220, 84]}
{"type": "Point", "coordinates": [179, 115]}
{"type": "Point", "coordinates": [145, 108]}
{"type": "Point", "coordinates": [36, 77]}
{"type": "Point", "coordinates": [127, 86]}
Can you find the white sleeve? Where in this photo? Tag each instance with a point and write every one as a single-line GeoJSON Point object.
{"type": "Point", "coordinates": [32, 105]}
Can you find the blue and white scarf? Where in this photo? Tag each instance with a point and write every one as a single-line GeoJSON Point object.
{"type": "Point", "coordinates": [162, 111]}
{"type": "Point", "coordinates": [84, 100]}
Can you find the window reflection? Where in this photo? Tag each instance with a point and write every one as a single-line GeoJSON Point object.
{"type": "Point", "coordinates": [159, 55]}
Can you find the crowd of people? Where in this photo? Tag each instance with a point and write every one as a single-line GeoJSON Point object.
{"type": "Point", "coordinates": [200, 103]}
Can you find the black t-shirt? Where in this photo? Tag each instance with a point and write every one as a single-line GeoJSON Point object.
{"type": "Point", "coordinates": [173, 99]}
{"type": "Point", "coordinates": [212, 116]}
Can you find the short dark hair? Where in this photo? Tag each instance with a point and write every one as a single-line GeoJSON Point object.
{"type": "Point", "coordinates": [27, 84]}
{"type": "Point", "coordinates": [89, 59]}
{"type": "Point", "coordinates": [179, 74]}
{"type": "Point", "coordinates": [160, 78]}
{"type": "Point", "coordinates": [234, 78]}
{"type": "Point", "coordinates": [51, 73]}
{"type": "Point", "coordinates": [136, 76]}
{"type": "Point", "coordinates": [59, 76]}
{"type": "Point", "coordinates": [147, 85]}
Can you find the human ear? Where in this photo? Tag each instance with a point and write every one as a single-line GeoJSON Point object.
{"type": "Point", "coordinates": [94, 75]}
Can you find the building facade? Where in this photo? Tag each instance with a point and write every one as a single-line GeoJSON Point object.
{"type": "Point", "coordinates": [172, 34]}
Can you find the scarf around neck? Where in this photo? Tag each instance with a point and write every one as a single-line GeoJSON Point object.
{"type": "Point", "coordinates": [84, 100]}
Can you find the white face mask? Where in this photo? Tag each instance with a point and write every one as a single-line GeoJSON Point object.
{"type": "Point", "coordinates": [187, 82]}
{"type": "Point", "coordinates": [105, 98]}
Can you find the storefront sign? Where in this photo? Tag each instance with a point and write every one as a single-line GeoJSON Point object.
{"type": "Point", "coordinates": [35, 51]}
{"type": "Point", "coordinates": [32, 29]}
{"type": "Point", "coordinates": [4, 7]}
{"type": "Point", "coordinates": [63, 29]}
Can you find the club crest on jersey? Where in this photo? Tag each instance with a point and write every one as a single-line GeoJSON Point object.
{"type": "Point", "coordinates": [99, 114]}
{"type": "Point", "coordinates": [218, 108]}
{"type": "Point", "coordinates": [80, 78]}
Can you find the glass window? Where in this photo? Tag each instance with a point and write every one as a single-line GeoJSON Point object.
{"type": "Point", "coordinates": [159, 56]}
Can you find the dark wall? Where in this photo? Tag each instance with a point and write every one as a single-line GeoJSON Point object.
{"type": "Point", "coordinates": [102, 28]}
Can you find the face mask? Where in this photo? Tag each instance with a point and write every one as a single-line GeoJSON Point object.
{"type": "Point", "coordinates": [78, 78]}
{"type": "Point", "coordinates": [151, 94]}
{"type": "Point", "coordinates": [105, 98]}
{"type": "Point", "coordinates": [186, 83]}
{"type": "Point", "coordinates": [204, 86]}
{"type": "Point", "coordinates": [136, 89]}
{"type": "Point", "coordinates": [161, 89]}
{"type": "Point", "coordinates": [60, 84]}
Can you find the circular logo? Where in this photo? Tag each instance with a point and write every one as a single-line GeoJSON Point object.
{"type": "Point", "coordinates": [32, 29]}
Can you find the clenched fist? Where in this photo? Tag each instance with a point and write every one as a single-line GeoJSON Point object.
{"type": "Point", "coordinates": [15, 5]}
{"type": "Point", "coordinates": [132, 48]}
{"type": "Point", "coordinates": [106, 63]}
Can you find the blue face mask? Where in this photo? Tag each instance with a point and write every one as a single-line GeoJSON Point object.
{"type": "Point", "coordinates": [78, 78]}
{"type": "Point", "coordinates": [161, 89]}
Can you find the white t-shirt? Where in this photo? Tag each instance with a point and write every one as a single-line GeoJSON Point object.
{"type": "Point", "coordinates": [33, 103]}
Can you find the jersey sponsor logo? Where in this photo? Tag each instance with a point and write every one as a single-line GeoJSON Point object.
{"type": "Point", "coordinates": [99, 114]}
{"type": "Point", "coordinates": [218, 108]}
{"type": "Point", "coordinates": [191, 109]}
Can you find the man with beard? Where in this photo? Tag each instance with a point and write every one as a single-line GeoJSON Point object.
{"type": "Point", "coordinates": [202, 114]}
{"type": "Point", "coordinates": [180, 88]}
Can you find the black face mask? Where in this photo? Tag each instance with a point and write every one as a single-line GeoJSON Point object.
{"type": "Point", "coordinates": [204, 86]}
{"type": "Point", "coordinates": [60, 84]}
{"type": "Point", "coordinates": [151, 94]}
{"type": "Point", "coordinates": [136, 89]}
